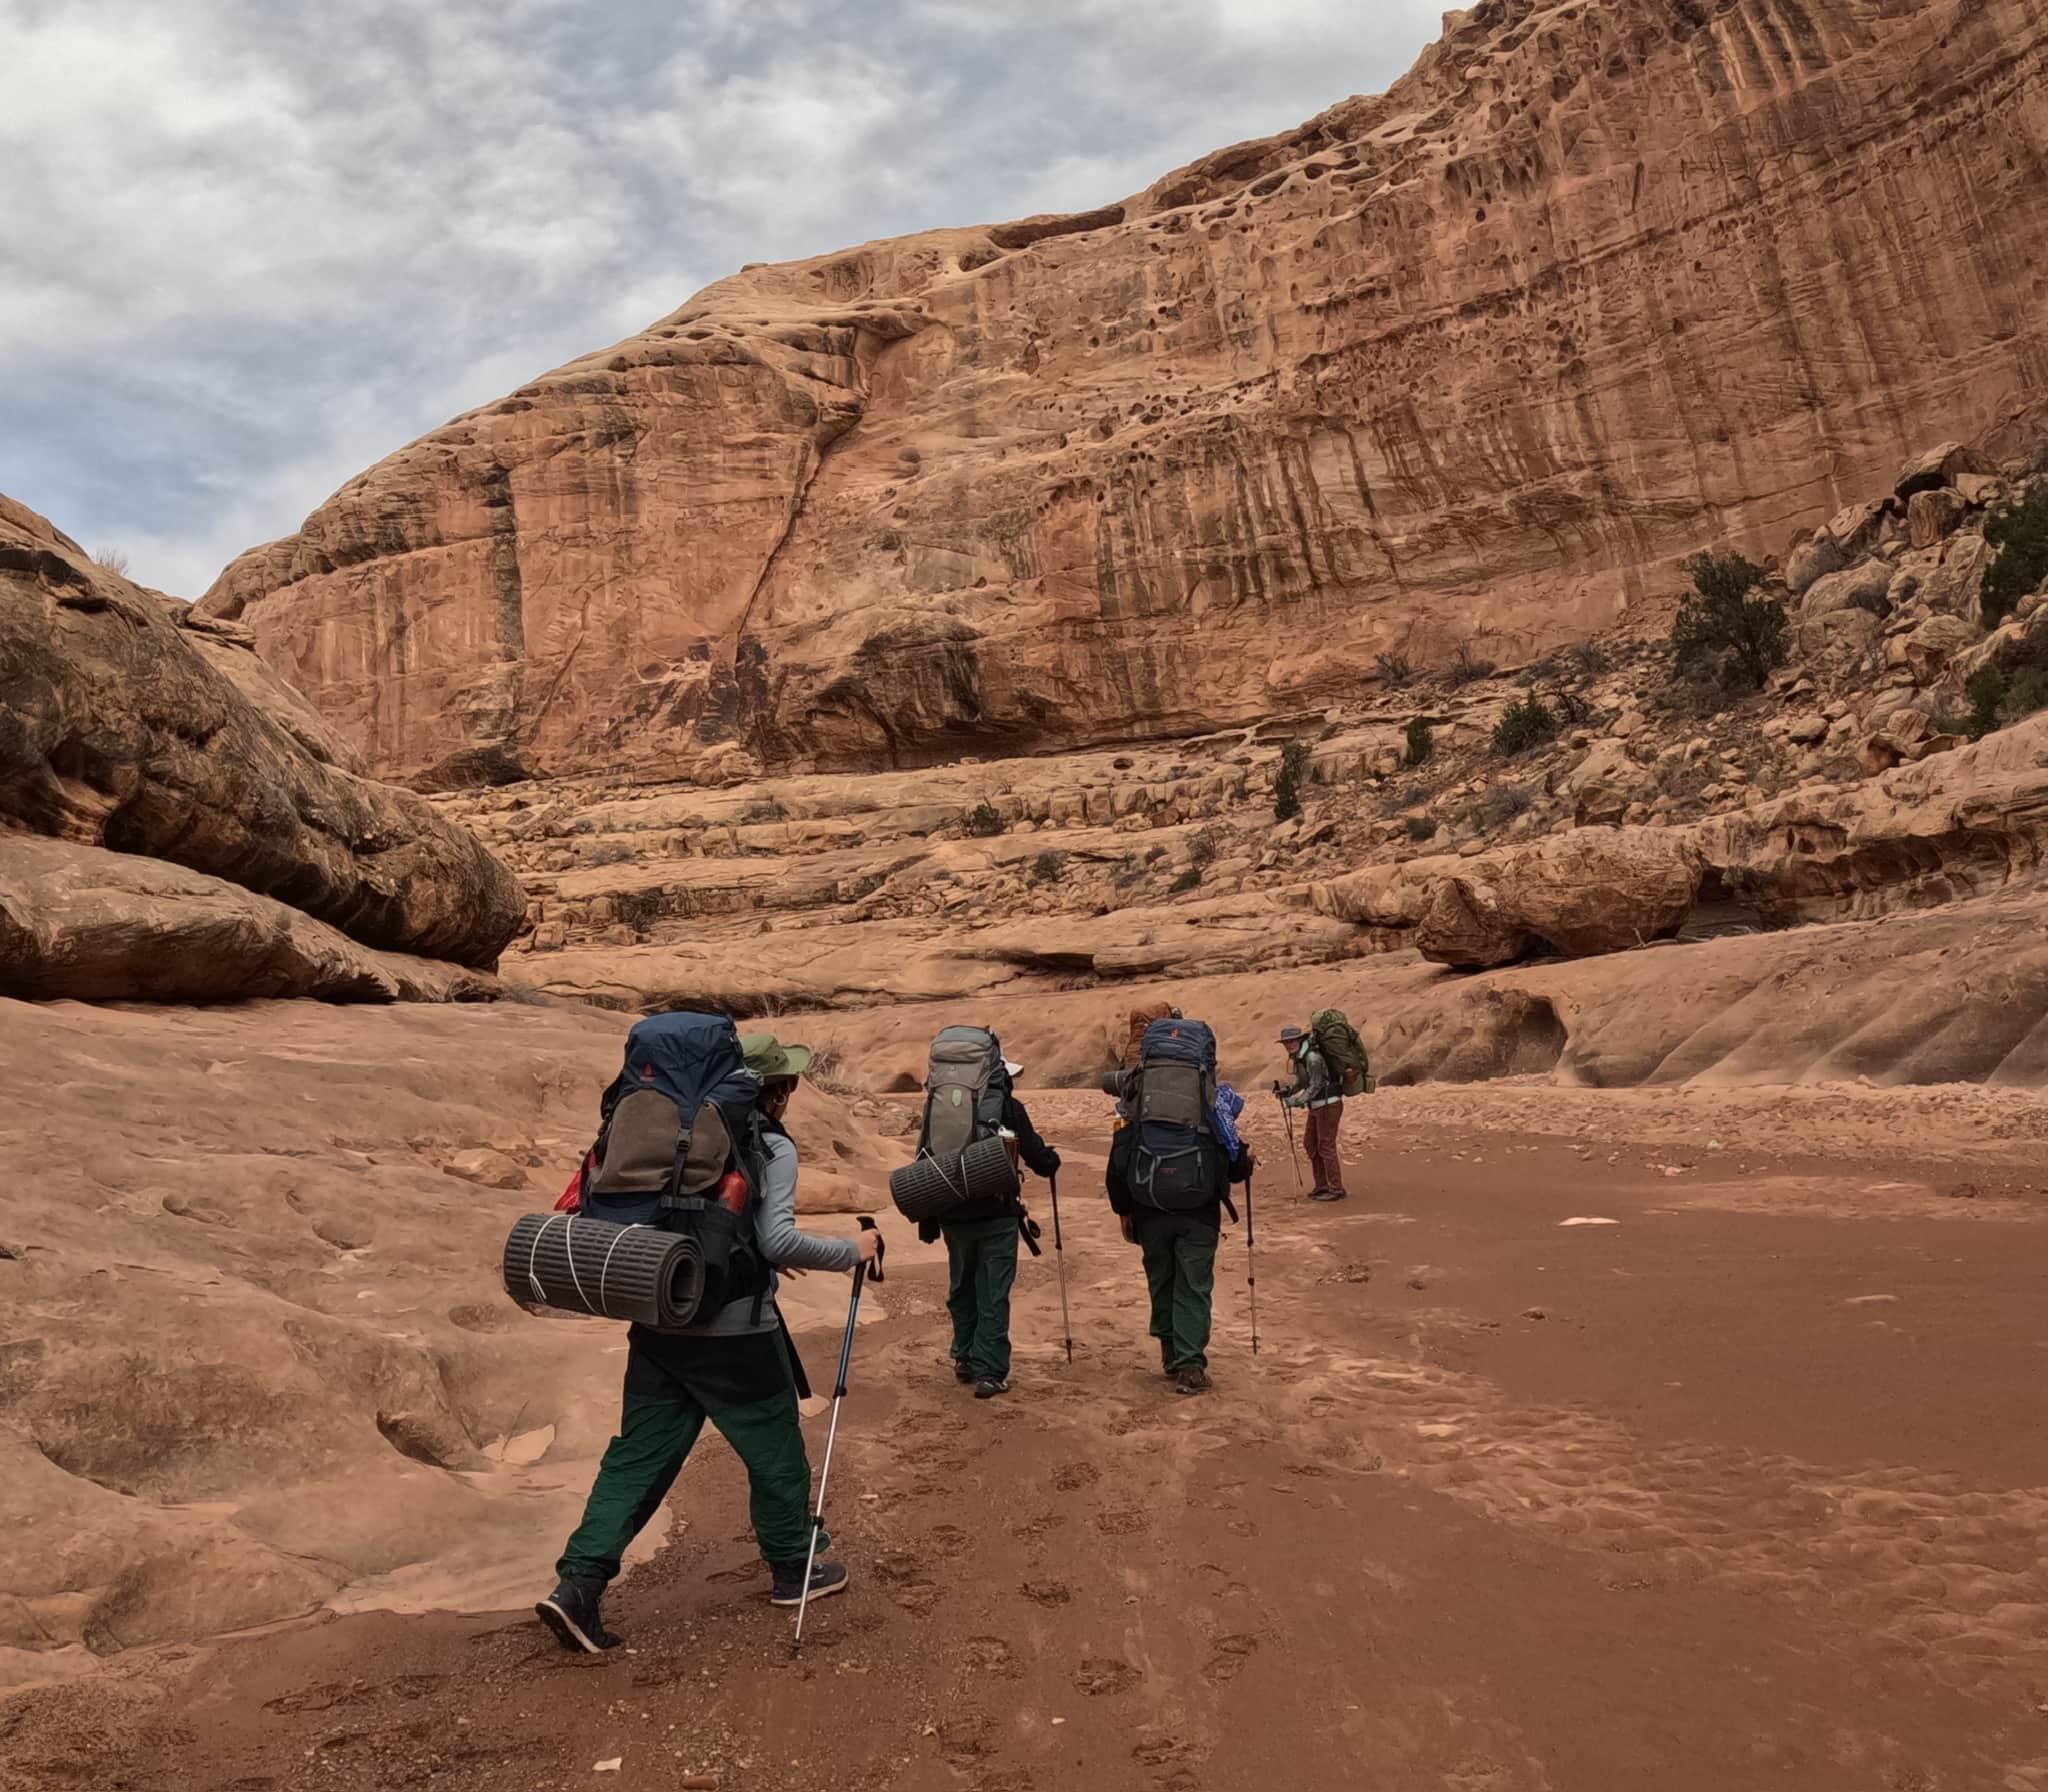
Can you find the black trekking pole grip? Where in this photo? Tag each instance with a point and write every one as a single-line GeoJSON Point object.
{"type": "Point", "coordinates": [874, 1269]}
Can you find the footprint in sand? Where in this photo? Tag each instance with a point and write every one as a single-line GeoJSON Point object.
{"type": "Point", "coordinates": [1232, 1653]}
{"type": "Point", "coordinates": [1126, 1523]}
{"type": "Point", "coordinates": [1047, 1592]}
{"type": "Point", "coordinates": [991, 1655]}
{"type": "Point", "coordinates": [1075, 1476]}
{"type": "Point", "coordinates": [1100, 1678]}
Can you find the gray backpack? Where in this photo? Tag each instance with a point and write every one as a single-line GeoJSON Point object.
{"type": "Point", "coordinates": [964, 1088]}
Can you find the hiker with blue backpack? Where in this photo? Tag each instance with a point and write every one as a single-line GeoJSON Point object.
{"type": "Point", "coordinates": [1171, 1166]}
{"type": "Point", "coordinates": [693, 1143]}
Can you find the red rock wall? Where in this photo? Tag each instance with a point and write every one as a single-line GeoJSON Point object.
{"type": "Point", "coordinates": [1593, 285]}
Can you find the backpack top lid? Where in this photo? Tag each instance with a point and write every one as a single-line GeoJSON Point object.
{"type": "Point", "coordinates": [1179, 1042]}
{"type": "Point", "coordinates": [964, 1054]}
{"type": "Point", "coordinates": [690, 1058]}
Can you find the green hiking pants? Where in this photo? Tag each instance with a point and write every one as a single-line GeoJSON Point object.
{"type": "Point", "coordinates": [1180, 1269]}
{"type": "Point", "coordinates": [982, 1258]}
{"type": "Point", "coordinates": [662, 1419]}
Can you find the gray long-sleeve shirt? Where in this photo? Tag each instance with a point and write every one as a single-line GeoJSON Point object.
{"type": "Point", "coordinates": [776, 1235]}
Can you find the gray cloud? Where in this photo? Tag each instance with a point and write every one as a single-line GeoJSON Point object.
{"type": "Point", "coordinates": [251, 247]}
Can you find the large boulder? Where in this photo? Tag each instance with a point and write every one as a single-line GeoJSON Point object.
{"type": "Point", "coordinates": [1811, 560]}
{"type": "Point", "coordinates": [1594, 890]}
{"type": "Point", "coordinates": [84, 924]}
{"type": "Point", "coordinates": [116, 731]}
{"type": "Point", "coordinates": [1838, 642]}
{"type": "Point", "coordinates": [1936, 468]}
{"type": "Point", "coordinates": [1933, 516]}
{"type": "Point", "coordinates": [1846, 590]}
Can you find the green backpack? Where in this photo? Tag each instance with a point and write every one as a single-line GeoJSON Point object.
{"type": "Point", "coordinates": [1342, 1050]}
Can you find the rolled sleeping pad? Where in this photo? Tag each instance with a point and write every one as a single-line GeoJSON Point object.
{"type": "Point", "coordinates": [933, 1187]}
{"type": "Point", "coordinates": [581, 1265]}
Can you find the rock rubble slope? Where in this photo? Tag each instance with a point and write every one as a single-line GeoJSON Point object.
{"type": "Point", "coordinates": [1470, 359]}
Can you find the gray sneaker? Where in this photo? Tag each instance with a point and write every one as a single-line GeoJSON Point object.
{"type": "Point", "coordinates": [989, 1386]}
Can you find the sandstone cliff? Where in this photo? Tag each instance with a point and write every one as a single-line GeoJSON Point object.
{"type": "Point", "coordinates": [1588, 287]}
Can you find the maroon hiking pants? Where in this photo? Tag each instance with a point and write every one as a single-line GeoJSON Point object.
{"type": "Point", "coordinates": [1328, 1167]}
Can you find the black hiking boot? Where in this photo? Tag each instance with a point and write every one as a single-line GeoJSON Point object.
{"type": "Point", "coordinates": [827, 1578]}
{"type": "Point", "coordinates": [571, 1612]}
{"type": "Point", "coordinates": [1327, 1194]}
{"type": "Point", "coordinates": [989, 1386]}
{"type": "Point", "coordinates": [962, 1373]}
{"type": "Point", "coordinates": [1191, 1381]}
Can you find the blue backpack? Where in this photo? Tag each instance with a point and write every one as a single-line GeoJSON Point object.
{"type": "Point", "coordinates": [1176, 1161]}
{"type": "Point", "coordinates": [680, 1148]}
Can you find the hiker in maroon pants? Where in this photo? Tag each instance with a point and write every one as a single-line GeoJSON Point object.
{"type": "Point", "coordinates": [1317, 1089]}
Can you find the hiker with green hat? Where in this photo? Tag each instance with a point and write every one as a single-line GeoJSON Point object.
{"type": "Point", "coordinates": [737, 1369]}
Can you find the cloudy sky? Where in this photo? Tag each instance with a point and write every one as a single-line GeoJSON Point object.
{"type": "Point", "coordinates": [249, 246]}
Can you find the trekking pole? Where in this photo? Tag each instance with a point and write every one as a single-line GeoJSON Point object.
{"type": "Point", "coordinates": [1293, 1157]}
{"type": "Point", "coordinates": [1251, 1263]}
{"type": "Point", "coordinates": [860, 1276]}
{"type": "Point", "coordinates": [1059, 1257]}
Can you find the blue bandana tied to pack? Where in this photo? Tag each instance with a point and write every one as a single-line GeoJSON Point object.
{"type": "Point", "coordinates": [1229, 1104]}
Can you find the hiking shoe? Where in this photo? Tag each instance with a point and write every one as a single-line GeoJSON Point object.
{"type": "Point", "coordinates": [1327, 1194]}
{"type": "Point", "coordinates": [571, 1612]}
{"type": "Point", "coordinates": [989, 1386]}
{"type": "Point", "coordinates": [962, 1373]}
{"type": "Point", "coordinates": [1191, 1381]}
{"type": "Point", "coordinates": [827, 1578]}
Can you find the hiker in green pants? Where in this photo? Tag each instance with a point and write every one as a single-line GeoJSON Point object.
{"type": "Point", "coordinates": [981, 1259]}
{"type": "Point", "coordinates": [1179, 1248]}
{"type": "Point", "coordinates": [981, 1263]}
{"type": "Point", "coordinates": [737, 1370]}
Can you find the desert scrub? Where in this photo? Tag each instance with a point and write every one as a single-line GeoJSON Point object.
{"type": "Point", "coordinates": [1724, 631]}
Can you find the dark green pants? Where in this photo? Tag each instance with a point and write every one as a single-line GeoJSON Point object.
{"type": "Point", "coordinates": [982, 1258]}
{"type": "Point", "coordinates": [1180, 1269]}
{"type": "Point", "coordinates": [672, 1387]}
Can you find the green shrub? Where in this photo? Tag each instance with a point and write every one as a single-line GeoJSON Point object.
{"type": "Point", "coordinates": [984, 820]}
{"type": "Point", "coordinates": [1724, 629]}
{"type": "Point", "coordinates": [2026, 694]}
{"type": "Point", "coordinates": [1395, 669]}
{"type": "Point", "coordinates": [1586, 658]}
{"type": "Point", "coordinates": [1421, 741]}
{"type": "Point", "coordinates": [1466, 667]}
{"type": "Point", "coordinates": [1420, 828]}
{"type": "Point", "coordinates": [1997, 699]}
{"type": "Point", "coordinates": [1190, 879]}
{"type": "Point", "coordinates": [1204, 846]}
{"type": "Point", "coordinates": [2020, 534]}
{"type": "Point", "coordinates": [1499, 804]}
{"type": "Point", "coordinates": [1527, 723]}
{"type": "Point", "coordinates": [1048, 867]}
{"type": "Point", "coordinates": [1287, 786]}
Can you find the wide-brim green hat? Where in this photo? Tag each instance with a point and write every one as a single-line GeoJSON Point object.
{"type": "Point", "coordinates": [772, 1061]}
